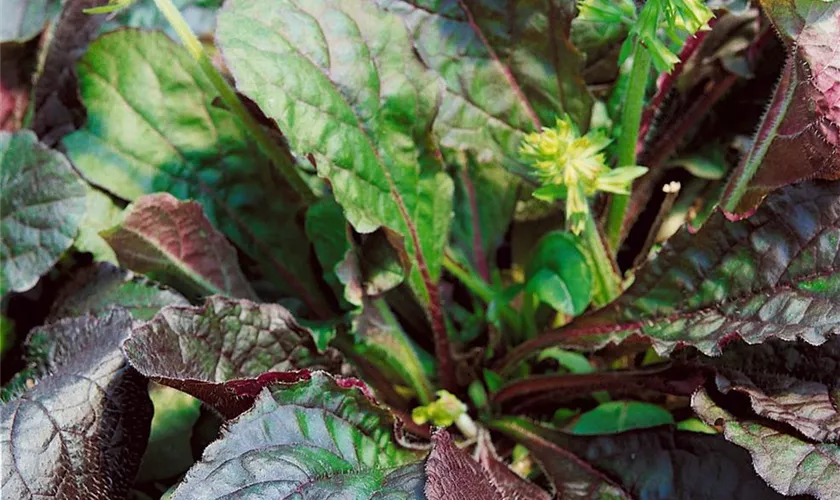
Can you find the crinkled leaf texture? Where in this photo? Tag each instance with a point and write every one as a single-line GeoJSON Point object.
{"type": "Point", "coordinates": [774, 274]}
{"type": "Point", "coordinates": [317, 438]}
{"type": "Point", "coordinates": [790, 464]}
{"type": "Point", "coordinates": [340, 79]}
{"type": "Point", "coordinates": [101, 286]}
{"type": "Point", "coordinates": [652, 464]}
{"type": "Point", "coordinates": [173, 242]}
{"type": "Point", "coordinates": [225, 351]}
{"type": "Point", "coordinates": [179, 142]}
{"type": "Point", "coordinates": [81, 431]}
{"type": "Point", "coordinates": [799, 136]}
{"type": "Point", "coordinates": [42, 202]}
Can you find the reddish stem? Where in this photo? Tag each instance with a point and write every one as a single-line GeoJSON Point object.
{"type": "Point", "coordinates": [479, 256]}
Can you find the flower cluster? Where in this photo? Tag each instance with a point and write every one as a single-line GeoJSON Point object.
{"type": "Point", "coordinates": [574, 167]}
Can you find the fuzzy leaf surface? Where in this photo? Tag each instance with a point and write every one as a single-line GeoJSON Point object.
{"type": "Point", "coordinates": [173, 242]}
{"type": "Point", "coordinates": [317, 438]}
{"type": "Point", "coordinates": [339, 78]}
{"type": "Point", "coordinates": [217, 352]}
{"type": "Point", "coordinates": [180, 143]}
{"type": "Point", "coordinates": [772, 275]}
{"type": "Point", "coordinates": [81, 431]}
{"type": "Point", "coordinates": [790, 464]}
{"type": "Point", "coordinates": [42, 202]}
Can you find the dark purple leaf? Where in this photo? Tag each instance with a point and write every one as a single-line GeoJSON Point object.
{"type": "Point", "coordinates": [173, 242]}
{"type": "Point", "coordinates": [502, 477]}
{"type": "Point", "coordinates": [81, 431]}
{"type": "Point", "coordinates": [774, 274]}
{"type": "Point", "coordinates": [454, 475]}
{"type": "Point", "coordinates": [654, 464]}
{"type": "Point", "coordinates": [225, 351]}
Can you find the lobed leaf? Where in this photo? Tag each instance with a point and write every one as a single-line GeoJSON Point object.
{"type": "Point", "coordinates": [790, 464]}
{"type": "Point", "coordinates": [179, 142]}
{"type": "Point", "coordinates": [81, 431]}
{"type": "Point", "coordinates": [339, 78]}
{"type": "Point", "coordinates": [42, 202]}
{"type": "Point", "coordinates": [225, 351]}
{"type": "Point", "coordinates": [173, 242]}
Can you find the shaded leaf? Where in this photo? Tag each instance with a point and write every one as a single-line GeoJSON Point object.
{"type": "Point", "coordinates": [24, 19]}
{"type": "Point", "coordinates": [182, 144]}
{"type": "Point", "coordinates": [42, 202]}
{"type": "Point", "coordinates": [799, 136]}
{"type": "Point", "coordinates": [200, 16]}
{"type": "Point", "coordinates": [81, 431]}
{"type": "Point", "coordinates": [327, 229]}
{"type": "Point", "coordinates": [173, 242]}
{"type": "Point", "coordinates": [656, 464]}
{"type": "Point", "coordinates": [316, 438]}
{"type": "Point", "coordinates": [56, 107]}
{"type": "Point", "coordinates": [100, 287]}
{"type": "Point", "coordinates": [620, 416]}
{"type": "Point", "coordinates": [507, 67]}
{"type": "Point", "coordinates": [217, 352]}
{"type": "Point", "coordinates": [364, 115]}
{"type": "Point", "coordinates": [558, 273]}
{"type": "Point", "coordinates": [773, 274]}
{"type": "Point", "coordinates": [791, 465]}
{"type": "Point", "coordinates": [102, 213]}
{"type": "Point", "coordinates": [376, 265]}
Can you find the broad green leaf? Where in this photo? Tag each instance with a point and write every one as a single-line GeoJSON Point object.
{"type": "Point", "coordinates": [102, 213]}
{"type": "Point", "coordinates": [790, 464]}
{"type": "Point", "coordinates": [217, 352]}
{"type": "Point", "coordinates": [620, 416]}
{"type": "Point", "coordinates": [774, 274]}
{"type": "Point", "coordinates": [180, 143]}
{"type": "Point", "coordinates": [24, 19]}
{"type": "Point", "coordinates": [81, 430]}
{"type": "Point", "coordinates": [317, 438]}
{"type": "Point", "coordinates": [558, 273]}
{"type": "Point", "coordinates": [381, 341]}
{"type": "Point", "coordinates": [340, 80]}
{"type": "Point", "coordinates": [508, 68]}
{"type": "Point", "coordinates": [100, 287]}
{"type": "Point", "coordinates": [799, 136]}
{"type": "Point", "coordinates": [653, 464]}
{"type": "Point", "coordinates": [173, 242]}
{"type": "Point", "coordinates": [42, 202]}
{"type": "Point", "coordinates": [574, 362]}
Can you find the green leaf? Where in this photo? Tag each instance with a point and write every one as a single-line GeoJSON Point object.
{"type": "Point", "coordinates": [181, 143]}
{"type": "Point", "coordinates": [365, 115]}
{"type": "Point", "coordinates": [619, 416]}
{"type": "Point", "coordinates": [217, 352]}
{"type": "Point", "coordinates": [98, 288]}
{"type": "Point", "coordinates": [774, 274]}
{"type": "Point", "coordinates": [327, 229]}
{"type": "Point", "coordinates": [790, 464]}
{"type": "Point", "coordinates": [559, 275]}
{"type": "Point", "coordinates": [24, 19]}
{"type": "Point", "coordinates": [102, 213]}
{"type": "Point", "coordinates": [575, 362]}
{"type": "Point", "coordinates": [200, 16]}
{"type": "Point", "coordinates": [381, 341]}
{"type": "Point", "coordinates": [317, 438]}
{"type": "Point", "coordinates": [173, 242]}
{"type": "Point", "coordinates": [799, 136]}
{"type": "Point", "coordinates": [42, 202]}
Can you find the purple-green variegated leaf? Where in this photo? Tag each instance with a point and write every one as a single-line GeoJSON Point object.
{"type": "Point", "coordinates": [787, 462]}
{"type": "Point", "coordinates": [799, 136]}
{"type": "Point", "coordinates": [775, 274]}
{"type": "Point", "coordinates": [173, 242]}
{"type": "Point", "coordinates": [80, 432]}
{"type": "Point", "coordinates": [225, 351]}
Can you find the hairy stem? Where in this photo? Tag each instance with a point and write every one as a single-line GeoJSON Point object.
{"type": "Point", "coordinates": [281, 159]}
{"type": "Point", "coordinates": [631, 118]}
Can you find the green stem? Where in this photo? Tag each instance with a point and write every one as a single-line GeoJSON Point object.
{"type": "Point", "coordinates": [631, 119]}
{"type": "Point", "coordinates": [281, 159]}
{"type": "Point", "coordinates": [607, 280]}
{"type": "Point", "coordinates": [481, 289]}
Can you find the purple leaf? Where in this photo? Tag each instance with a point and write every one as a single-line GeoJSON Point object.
{"type": "Point", "coordinates": [502, 477]}
{"type": "Point", "coordinates": [81, 431]}
{"type": "Point", "coordinates": [174, 242]}
{"type": "Point", "coordinates": [225, 351]}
